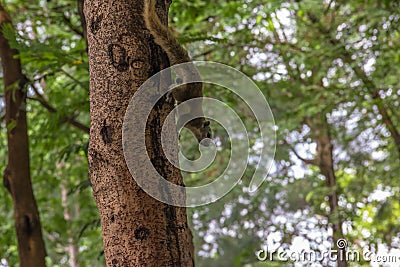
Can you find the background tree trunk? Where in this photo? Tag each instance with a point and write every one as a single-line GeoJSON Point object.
{"type": "Point", "coordinates": [325, 161]}
{"type": "Point", "coordinates": [72, 248]}
{"type": "Point", "coordinates": [17, 178]}
{"type": "Point", "coordinates": [137, 229]}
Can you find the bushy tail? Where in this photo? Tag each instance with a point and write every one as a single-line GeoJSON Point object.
{"type": "Point", "coordinates": [163, 35]}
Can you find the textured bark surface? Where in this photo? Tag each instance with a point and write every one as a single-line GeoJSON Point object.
{"type": "Point", "coordinates": [17, 178]}
{"type": "Point", "coordinates": [137, 229]}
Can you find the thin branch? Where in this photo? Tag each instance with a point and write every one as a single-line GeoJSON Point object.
{"type": "Point", "coordinates": [83, 20]}
{"type": "Point", "coordinates": [205, 53]}
{"type": "Point", "coordinates": [38, 78]}
{"type": "Point", "coordinates": [52, 109]}
{"type": "Point", "coordinates": [72, 26]}
{"type": "Point", "coordinates": [306, 161]}
{"type": "Point", "coordinates": [328, 7]}
{"type": "Point", "coordinates": [77, 124]}
{"type": "Point", "coordinates": [285, 58]}
{"type": "Point", "coordinates": [73, 78]}
{"type": "Point", "coordinates": [373, 90]}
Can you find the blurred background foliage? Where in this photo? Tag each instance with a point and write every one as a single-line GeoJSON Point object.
{"type": "Point", "coordinates": [327, 68]}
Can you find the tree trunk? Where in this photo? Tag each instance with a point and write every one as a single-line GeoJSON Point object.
{"type": "Point", "coordinates": [17, 173]}
{"type": "Point", "coordinates": [72, 248]}
{"type": "Point", "coordinates": [81, 4]}
{"type": "Point", "coordinates": [325, 163]}
{"type": "Point", "coordinates": [137, 229]}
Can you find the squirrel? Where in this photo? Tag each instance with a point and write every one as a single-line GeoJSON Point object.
{"type": "Point", "coordinates": [164, 37]}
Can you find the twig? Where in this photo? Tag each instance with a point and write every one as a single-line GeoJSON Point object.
{"type": "Point", "coordinates": [52, 109]}
{"type": "Point", "coordinates": [72, 27]}
{"type": "Point", "coordinates": [205, 53]}
{"type": "Point", "coordinates": [306, 161]}
{"type": "Point", "coordinates": [73, 78]}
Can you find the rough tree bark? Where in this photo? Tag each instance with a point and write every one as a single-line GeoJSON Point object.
{"type": "Point", "coordinates": [17, 178]}
{"type": "Point", "coordinates": [137, 229]}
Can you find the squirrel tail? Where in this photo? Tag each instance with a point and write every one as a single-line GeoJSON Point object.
{"type": "Point", "coordinates": [163, 36]}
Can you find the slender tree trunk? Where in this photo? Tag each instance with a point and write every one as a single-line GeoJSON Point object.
{"type": "Point", "coordinates": [81, 4]}
{"type": "Point", "coordinates": [17, 178]}
{"type": "Point", "coordinates": [137, 229]}
{"type": "Point", "coordinates": [325, 163]}
{"type": "Point", "coordinates": [72, 247]}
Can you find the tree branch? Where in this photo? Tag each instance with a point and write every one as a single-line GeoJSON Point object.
{"type": "Point", "coordinates": [83, 20]}
{"type": "Point", "coordinates": [52, 109]}
{"type": "Point", "coordinates": [72, 26]}
{"type": "Point", "coordinates": [73, 78]}
{"type": "Point", "coordinates": [203, 54]}
{"type": "Point", "coordinates": [373, 90]}
{"type": "Point", "coordinates": [306, 161]}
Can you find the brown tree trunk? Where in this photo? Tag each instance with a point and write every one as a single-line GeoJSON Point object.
{"type": "Point", "coordinates": [137, 229]}
{"type": "Point", "coordinates": [324, 161]}
{"type": "Point", "coordinates": [72, 248]}
{"type": "Point", "coordinates": [17, 173]}
{"type": "Point", "coordinates": [81, 4]}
